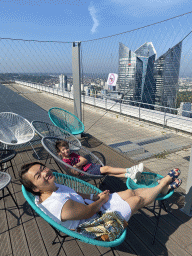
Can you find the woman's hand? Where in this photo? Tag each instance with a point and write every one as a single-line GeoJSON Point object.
{"type": "Point", "coordinates": [98, 196]}
{"type": "Point", "coordinates": [104, 195]}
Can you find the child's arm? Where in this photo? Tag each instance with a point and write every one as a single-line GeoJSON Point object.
{"type": "Point", "coordinates": [82, 161]}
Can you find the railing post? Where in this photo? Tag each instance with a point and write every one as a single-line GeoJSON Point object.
{"type": "Point", "coordinates": [76, 79]}
{"type": "Point", "coordinates": [139, 110]}
{"type": "Point", "coordinates": [164, 118]}
{"type": "Point", "coordinates": [187, 209]}
{"type": "Point", "coordinates": [105, 103]}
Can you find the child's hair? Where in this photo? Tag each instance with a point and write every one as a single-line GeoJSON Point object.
{"type": "Point", "coordinates": [61, 143]}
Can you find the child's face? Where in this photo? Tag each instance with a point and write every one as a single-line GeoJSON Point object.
{"type": "Point", "coordinates": [64, 151]}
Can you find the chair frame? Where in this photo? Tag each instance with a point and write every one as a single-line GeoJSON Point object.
{"type": "Point", "coordinates": [79, 186]}
{"type": "Point", "coordinates": [160, 198]}
{"type": "Point", "coordinates": [61, 132]}
{"type": "Point", "coordinates": [65, 127]}
{"type": "Point", "coordinates": [23, 142]}
{"type": "Point", "coordinates": [4, 161]}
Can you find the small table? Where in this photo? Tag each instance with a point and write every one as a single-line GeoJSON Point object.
{"type": "Point", "coordinates": [6, 155]}
{"type": "Point", "coordinates": [148, 180]}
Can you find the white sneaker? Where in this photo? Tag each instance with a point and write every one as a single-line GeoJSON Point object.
{"type": "Point", "coordinates": [132, 171]}
{"type": "Point", "coordinates": [128, 175]}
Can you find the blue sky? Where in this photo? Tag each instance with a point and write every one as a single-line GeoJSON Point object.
{"type": "Point", "coordinates": [80, 20]}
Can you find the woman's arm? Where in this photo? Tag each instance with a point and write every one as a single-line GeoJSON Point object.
{"type": "Point", "coordinates": [77, 211]}
{"type": "Point", "coordinates": [95, 196]}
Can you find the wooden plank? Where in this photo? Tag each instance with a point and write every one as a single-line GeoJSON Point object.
{"type": "Point", "coordinates": [17, 235]}
{"type": "Point", "coordinates": [32, 234]}
{"type": "Point", "coordinates": [5, 242]}
{"type": "Point", "coordinates": [145, 236]}
{"type": "Point", "coordinates": [173, 246]}
{"type": "Point", "coordinates": [48, 235]}
{"type": "Point", "coordinates": [137, 246]}
{"type": "Point", "coordinates": [173, 226]}
{"type": "Point", "coordinates": [71, 247]}
{"type": "Point", "coordinates": [88, 249]}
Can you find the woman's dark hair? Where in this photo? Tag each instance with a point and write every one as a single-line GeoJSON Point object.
{"type": "Point", "coordinates": [61, 143]}
{"type": "Point", "coordinates": [27, 183]}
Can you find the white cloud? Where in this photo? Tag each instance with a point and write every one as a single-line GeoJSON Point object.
{"type": "Point", "coordinates": [93, 12]}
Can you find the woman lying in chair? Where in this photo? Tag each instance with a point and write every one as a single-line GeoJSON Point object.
{"type": "Point", "coordinates": [71, 209]}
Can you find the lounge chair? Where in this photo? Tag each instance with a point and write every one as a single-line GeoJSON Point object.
{"type": "Point", "coordinates": [15, 130]}
{"type": "Point", "coordinates": [49, 145]}
{"type": "Point", "coordinates": [66, 120]}
{"type": "Point", "coordinates": [79, 186]}
{"type": "Point", "coordinates": [45, 130]}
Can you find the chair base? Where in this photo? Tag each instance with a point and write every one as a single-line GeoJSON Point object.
{"type": "Point", "coordinates": [58, 234]}
{"type": "Point", "coordinates": [158, 215]}
{"type": "Point", "coordinates": [7, 156]}
{"type": "Point", "coordinates": [8, 195]}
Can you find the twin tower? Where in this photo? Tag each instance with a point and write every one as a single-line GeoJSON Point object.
{"type": "Point", "coordinates": [146, 79]}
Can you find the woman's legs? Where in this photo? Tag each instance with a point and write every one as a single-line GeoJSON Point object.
{"type": "Point", "coordinates": [143, 197]}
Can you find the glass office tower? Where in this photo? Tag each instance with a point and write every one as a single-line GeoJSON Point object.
{"type": "Point", "coordinates": [136, 73]}
{"type": "Point", "coordinates": [130, 73]}
{"type": "Point", "coordinates": [147, 54]}
{"type": "Point", "coordinates": [166, 75]}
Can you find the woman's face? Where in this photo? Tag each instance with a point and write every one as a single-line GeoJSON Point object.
{"type": "Point", "coordinates": [41, 176]}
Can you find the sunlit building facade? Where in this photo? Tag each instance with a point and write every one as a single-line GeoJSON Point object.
{"type": "Point", "coordinates": [150, 81]}
{"type": "Point", "coordinates": [166, 76]}
{"type": "Point", "coordinates": [147, 54]}
{"type": "Point", "coordinates": [130, 73]}
{"type": "Point", "coordinates": [63, 82]}
{"type": "Point", "coordinates": [136, 73]}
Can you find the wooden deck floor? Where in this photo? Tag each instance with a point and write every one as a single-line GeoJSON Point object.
{"type": "Point", "coordinates": [22, 232]}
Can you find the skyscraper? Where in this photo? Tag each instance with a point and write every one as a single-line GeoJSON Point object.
{"type": "Point", "coordinates": [136, 73]}
{"type": "Point", "coordinates": [147, 54]}
{"type": "Point", "coordinates": [166, 75]}
{"type": "Point", "coordinates": [130, 73]}
{"type": "Point", "coordinates": [63, 82]}
{"type": "Point", "coordinates": [144, 79]}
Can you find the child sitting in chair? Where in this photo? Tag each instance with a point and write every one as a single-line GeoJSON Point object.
{"type": "Point", "coordinates": [82, 163]}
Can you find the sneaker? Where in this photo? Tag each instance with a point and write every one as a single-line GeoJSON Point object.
{"type": "Point", "coordinates": [128, 175]}
{"type": "Point", "coordinates": [132, 171]}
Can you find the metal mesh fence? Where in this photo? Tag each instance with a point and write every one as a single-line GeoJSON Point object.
{"type": "Point", "coordinates": [140, 117]}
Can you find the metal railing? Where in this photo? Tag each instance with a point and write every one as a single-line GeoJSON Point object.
{"type": "Point", "coordinates": [165, 116]}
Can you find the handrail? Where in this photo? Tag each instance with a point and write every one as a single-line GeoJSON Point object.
{"type": "Point", "coordinates": [165, 118]}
